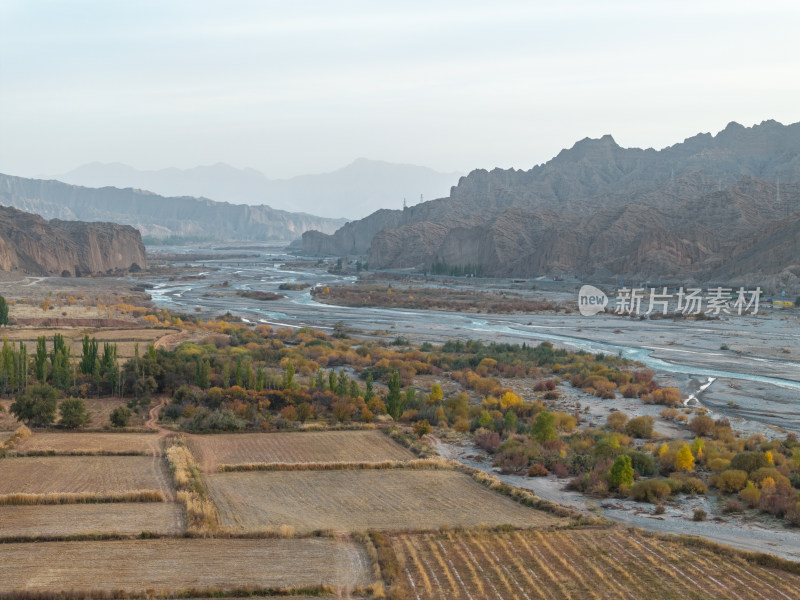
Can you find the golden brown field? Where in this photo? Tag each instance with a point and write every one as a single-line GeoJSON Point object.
{"type": "Point", "coordinates": [83, 474]}
{"type": "Point", "coordinates": [163, 518]}
{"type": "Point", "coordinates": [356, 500]}
{"type": "Point", "coordinates": [300, 447]}
{"type": "Point", "coordinates": [172, 565]}
{"type": "Point", "coordinates": [91, 443]}
{"type": "Point", "coordinates": [582, 563]}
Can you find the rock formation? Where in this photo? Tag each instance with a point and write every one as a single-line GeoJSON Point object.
{"type": "Point", "coordinates": [30, 244]}
{"type": "Point", "coordinates": [710, 207]}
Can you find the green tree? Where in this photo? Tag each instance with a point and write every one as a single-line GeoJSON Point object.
{"type": "Point", "coordinates": [621, 472]}
{"type": "Point", "coordinates": [304, 412]}
{"type": "Point", "coordinates": [37, 406]}
{"type": "Point", "coordinates": [40, 362]}
{"type": "Point", "coordinates": [3, 311]}
{"type": "Point", "coordinates": [543, 429]}
{"type": "Point", "coordinates": [369, 393]}
{"type": "Point", "coordinates": [90, 353]}
{"type": "Point", "coordinates": [202, 374]}
{"type": "Point", "coordinates": [342, 384]}
{"type": "Point", "coordinates": [121, 416]}
{"type": "Point", "coordinates": [395, 403]}
{"type": "Point", "coordinates": [73, 413]}
{"type": "Point", "coordinates": [288, 376]}
{"type": "Point", "coordinates": [332, 380]}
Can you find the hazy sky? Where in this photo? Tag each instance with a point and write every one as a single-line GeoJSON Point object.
{"type": "Point", "coordinates": [304, 87]}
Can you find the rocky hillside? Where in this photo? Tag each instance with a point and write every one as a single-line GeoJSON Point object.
{"type": "Point", "coordinates": [156, 215]}
{"type": "Point", "coordinates": [710, 207]}
{"type": "Point", "coordinates": [30, 244]}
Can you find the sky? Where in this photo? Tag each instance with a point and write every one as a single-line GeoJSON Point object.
{"type": "Point", "coordinates": [300, 87]}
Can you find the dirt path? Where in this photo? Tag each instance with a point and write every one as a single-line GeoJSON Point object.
{"type": "Point", "coordinates": [173, 340]}
{"type": "Point", "coordinates": [152, 421]}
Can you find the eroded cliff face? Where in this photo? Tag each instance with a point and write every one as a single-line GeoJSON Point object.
{"type": "Point", "coordinates": [34, 246]}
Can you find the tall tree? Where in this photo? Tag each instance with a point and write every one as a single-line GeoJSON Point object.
{"type": "Point", "coordinates": [3, 311]}
{"type": "Point", "coordinates": [40, 363]}
{"type": "Point", "coordinates": [395, 403]}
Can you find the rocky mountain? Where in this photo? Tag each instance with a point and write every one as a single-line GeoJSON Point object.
{"type": "Point", "coordinates": [709, 207]}
{"type": "Point", "coordinates": [354, 191]}
{"type": "Point", "coordinates": [30, 244]}
{"type": "Point", "coordinates": [156, 215]}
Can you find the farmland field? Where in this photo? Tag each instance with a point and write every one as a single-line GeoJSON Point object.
{"type": "Point", "coordinates": [85, 519]}
{"type": "Point", "coordinates": [303, 447]}
{"type": "Point", "coordinates": [356, 500]}
{"type": "Point", "coordinates": [170, 565]}
{"type": "Point", "coordinates": [83, 474]}
{"type": "Point", "coordinates": [65, 443]}
{"type": "Point", "coordinates": [575, 564]}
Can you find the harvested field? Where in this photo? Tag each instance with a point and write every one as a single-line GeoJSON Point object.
{"type": "Point", "coordinates": [165, 518]}
{"type": "Point", "coordinates": [101, 475]}
{"type": "Point", "coordinates": [171, 565]}
{"type": "Point", "coordinates": [100, 412]}
{"type": "Point", "coordinates": [91, 443]}
{"type": "Point", "coordinates": [356, 500]}
{"type": "Point", "coordinates": [301, 447]}
{"type": "Point", "coordinates": [587, 563]}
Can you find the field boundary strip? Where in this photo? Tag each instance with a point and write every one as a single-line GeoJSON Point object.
{"type": "Point", "coordinates": [81, 498]}
{"type": "Point", "coordinates": [422, 463]}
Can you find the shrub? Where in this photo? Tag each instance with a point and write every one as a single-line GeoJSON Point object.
{"type": "Point", "coordinates": [422, 428]}
{"type": "Point", "coordinates": [538, 470]}
{"type": "Point", "coordinates": [732, 506]}
{"type": "Point", "coordinates": [73, 413]}
{"type": "Point", "coordinates": [121, 416]}
{"type": "Point", "coordinates": [718, 464]}
{"type": "Point", "coordinates": [702, 426]}
{"type": "Point", "coordinates": [749, 461]}
{"type": "Point", "coordinates": [640, 427]}
{"type": "Point", "coordinates": [660, 509]}
{"type": "Point", "coordinates": [488, 440]}
{"type": "Point", "coordinates": [699, 515]}
{"type": "Point", "coordinates": [644, 464]}
{"type": "Point", "coordinates": [616, 421]}
{"type": "Point", "coordinates": [680, 483]}
{"type": "Point", "coordinates": [731, 480]}
{"type": "Point", "coordinates": [750, 495]}
{"type": "Point", "coordinates": [650, 490]}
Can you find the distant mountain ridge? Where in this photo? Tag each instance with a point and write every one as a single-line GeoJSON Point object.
{"type": "Point", "coordinates": [702, 209]}
{"type": "Point", "coordinates": [353, 191]}
{"type": "Point", "coordinates": [156, 215]}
